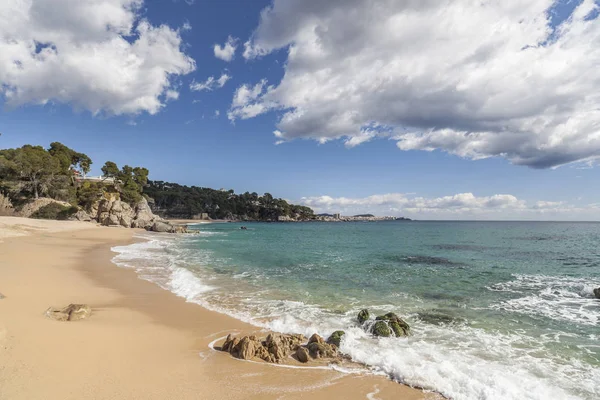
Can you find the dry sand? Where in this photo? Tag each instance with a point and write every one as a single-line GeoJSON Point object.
{"type": "Point", "coordinates": [141, 342]}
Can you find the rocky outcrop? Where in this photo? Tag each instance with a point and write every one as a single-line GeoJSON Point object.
{"type": "Point", "coordinates": [144, 218]}
{"type": "Point", "coordinates": [30, 208]}
{"type": "Point", "coordinates": [278, 348]}
{"type": "Point", "coordinates": [72, 312]}
{"type": "Point", "coordinates": [318, 348]}
{"type": "Point", "coordinates": [597, 293]}
{"type": "Point", "coordinates": [363, 316]}
{"type": "Point", "coordinates": [336, 338]}
{"type": "Point", "coordinates": [81, 215]}
{"type": "Point", "coordinates": [385, 325]}
{"type": "Point", "coordinates": [397, 324]}
{"type": "Point", "coordinates": [111, 211]}
{"type": "Point", "coordinates": [6, 207]}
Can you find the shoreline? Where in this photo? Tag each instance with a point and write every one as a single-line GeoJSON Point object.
{"type": "Point", "coordinates": [140, 342]}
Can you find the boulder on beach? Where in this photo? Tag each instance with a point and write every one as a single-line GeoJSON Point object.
{"type": "Point", "coordinates": [302, 354]}
{"type": "Point", "coordinates": [597, 293]}
{"type": "Point", "coordinates": [72, 312]}
{"type": "Point", "coordinates": [336, 338]}
{"type": "Point", "coordinates": [363, 316]}
{"type": "Point", "coordinates": [278, 348]}
{"type": "Point", "coordinates": [275, 348]}
{"type": "Point", "coordinates": [163, 227]}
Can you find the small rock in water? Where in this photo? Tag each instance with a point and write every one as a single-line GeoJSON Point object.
{"type": "Point", "coordinates": [336, 338]}
{"type": "Point", "coordinates": [72, 312]}
{"type": "Point", "coordinates": [381, 328]}
{"type": "Point", "coordinates": [597, 293]}
{"type": "Point", "coordinates": [397, 324]}
{"type": "Point", "coordinates": [363, 316]}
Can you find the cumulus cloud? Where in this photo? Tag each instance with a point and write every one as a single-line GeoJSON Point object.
{"type": "Point", "coordinates": [97, 55]}
{"type": "Point", "coordinates": [226, 52]}
{"type": "Point", "coordinates": [473, 78]}
{"type": "Point", "coordinates": [463, 205]}
{"type": "Point", "coordinates": [211, 83]}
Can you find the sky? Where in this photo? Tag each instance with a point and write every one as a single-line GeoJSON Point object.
{"type": "Point", "coordinates": [430, 109]}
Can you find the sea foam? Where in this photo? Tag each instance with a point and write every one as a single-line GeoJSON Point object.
{"type": "Point", "coordinates": [458, 361]}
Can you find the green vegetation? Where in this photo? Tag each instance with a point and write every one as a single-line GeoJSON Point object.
{"type": "Point", "coordinates": [129, 181]}
{"type": "Point", "coordinates": [58, 172]}
{"type": "Point", "coordinates": [54, 211]}
{"type": "Point", "coordinates": [177, 201]}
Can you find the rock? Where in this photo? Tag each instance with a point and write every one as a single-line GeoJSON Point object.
{"type": "Point", "coordinates": [321, 350]}
{"type": "Point", "coordinates": [381, 328]}
{"type": "Point", "coordinates": [230, 343]}
{"type": "Point", "coordinates": [30, 208]}
{"type": "Point", "coordinates": [144, 218]}
{"type": "Point", "coordinates": [336, 338]}
{"type": "Point", "coordinates": [397, 324]}
{"type": "Point", "coordinates": [72, 312]}
{"type": "Point", "coordinates": [597, 293]}
{"type": "Point", "coordinates": [246, 348]}
{"type": "Point", "coordinates": [316, 339]}
{"type": "Point", "coordinates": [81, 215]}
{"type": "Point", "coordinates": [181, 229]}
{"type": "Point", "coordinates": [6, 207]}
{"type": "Point", "coordinates": [276, 348]}
{"type": "Point", "coordinates": [363, 316]}
{"type": "Point", "coordinates": [163, 227]}
{"type": "Point", "coordinates": [302, 354]}
{"type": "Point", "coordinates": [93, 211]}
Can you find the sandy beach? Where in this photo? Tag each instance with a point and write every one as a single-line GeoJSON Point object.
{"type": "Point", "coordinates": [141, 342]}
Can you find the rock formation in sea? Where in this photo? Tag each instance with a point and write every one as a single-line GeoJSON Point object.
{"type": "Point", "coordinates": [385, 325]}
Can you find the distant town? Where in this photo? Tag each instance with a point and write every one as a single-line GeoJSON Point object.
{"type": "Point", "coordinates": [356, 218]}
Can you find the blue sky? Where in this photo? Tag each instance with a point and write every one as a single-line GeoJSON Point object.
{"type": "Point", "coordinates": [358, 112]}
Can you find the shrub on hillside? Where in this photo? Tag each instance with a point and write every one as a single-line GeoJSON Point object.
{"type": "Point", "coordinates": [54, 211]}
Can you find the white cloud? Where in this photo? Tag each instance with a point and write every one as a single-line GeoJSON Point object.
{"type": "Point", "coordinates": [473, 78]}
{"type": "Point", "coordinates": [249, 101]}
{"type": "Point", "coordinates": [226, 52]}
{"type": "Point", "coordinates": [97, 55]}
{"type": "Point", "coordinates": [211, 83]}
{"type": "Point", "coordinates": [459, 206]}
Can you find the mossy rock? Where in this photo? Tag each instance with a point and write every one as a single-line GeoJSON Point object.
{"type": "Point", "coordinates": [397, 324]}
{"type": "Point", "coordinates": [363, 316]}
{"type": "Point", "coordinates": [336, 338]}
{"type": "Point", "coordinates": [381, 328]}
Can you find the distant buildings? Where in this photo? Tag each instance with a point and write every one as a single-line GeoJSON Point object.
{"type": "Point", "coordinates": [356, 218]}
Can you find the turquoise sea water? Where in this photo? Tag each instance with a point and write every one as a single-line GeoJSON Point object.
{"type": "Point", "coordinates": [499, 310]}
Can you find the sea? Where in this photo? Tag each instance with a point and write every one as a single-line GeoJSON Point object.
{"type": "Point", "coordinates": [498, 310]}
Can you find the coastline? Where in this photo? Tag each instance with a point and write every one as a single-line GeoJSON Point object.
{"type": "Point", "coordinates": [140, 342]}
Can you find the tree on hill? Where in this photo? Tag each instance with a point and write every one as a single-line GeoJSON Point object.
{"type": "Point", "coordinates": [70, 159]}
{"type": "Point", "coordinates": [128, 181]}
{"type": "Point", "coordinates": [36, 168]}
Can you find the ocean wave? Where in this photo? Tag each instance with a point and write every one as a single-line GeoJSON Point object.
{"type": "Point", "coordinates": [448, 357]}
{"type": "Point", "coordinates": [556, 297]}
